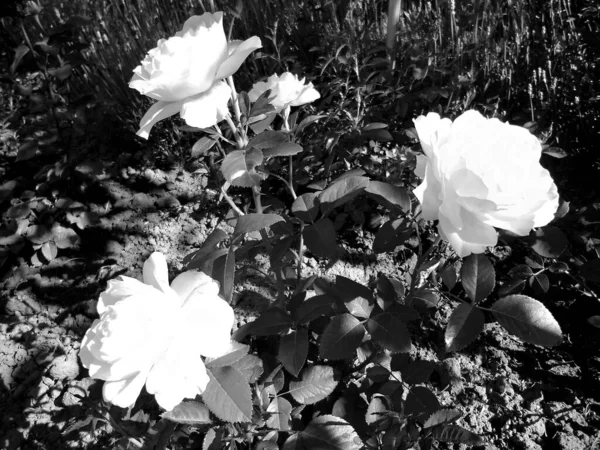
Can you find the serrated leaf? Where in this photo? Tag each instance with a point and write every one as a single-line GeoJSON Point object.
{"type": "Point", "coordinates": [228, 395]}
{"type": "Point", "coordinates": [49, 250]}
{"type": "Point", "coordinates": [376, 410]}
{"type": "Point", "coordinates": [316, 383]}
{"type": "Point", "coordinates": [236, 352]}
{"type": "Point", "coordinates": [330, 433]}
{"type": "Point", "coordinates": [464, 325]}
{"type": "Point", "coordinates": [250, 366]}
{"type": "Point", "coordinates": [347, 289]}
{"type": "Point", "coordinates": [281, 410]}
{"type": "Point", "coordinates": [283, 149]}
{"type": "Point", "coordinates": [293, 349]}
{"type": "Point", "coordinates": [255, 222]}
{"type": "Point", "coordinates": [320, 238]}
{"type": "Point", "coordinates": [423, 298]}
{"type": "Point", "coordinates": [360, 307]}
{"type": "Point", "coordinates": [420, 400]}
{"type": "Point", "coordinates": [549, 242]}
{"type": "Point", "coordinates": [390, 332]}
{"type": "Point", "coordinates": [478, 277]}
{"type": "Point", "coordinates": [268, 139]}
{"type": "Point", "coordinates": [188, 413]}
{"type": "Point", "coordinates": [540, 283]}
{"type": "Point", "coordinates": [270, 322]}
{"type": "Point", "coordinates": [528, 319]}
{"type": "Point", "coordinates": [312, 308]}
{"type": "Point", "coordinates": [449, 275]}
{"type": "Point", "coordinates": [456, 433]}
{"type": "Point", "coordinates": [212, 439]}
{"type": "Point", "coordinates": [417, 372]}
{"type": "Point", "coordinates": [208, 246]}
{"type": "Point", "coordinates": [341, 337]}
{"type": "Point", "coordinates": [262, 105]}
{"type": "Point", "coordinates": [391, 234]}
{"type": "Point", "coordinates": [441, 417]}
{"type": "Point", "coordinates": [341, 192]}
{"type": "Point", "coordinates": [389, 196]}
{"type": "Point", "coordinates": [306, 207]}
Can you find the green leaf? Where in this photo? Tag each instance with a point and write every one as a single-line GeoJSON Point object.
{"type": "Point", "coordinates": [281, 411]}
{"type": "Point", "coordinates": [548, 242]}
{"type": "Point", "coordinates": [417, 372]}
{"type": "Point", "coordinates": [307, 121]}
{"type": "Point", "coordinates": [317, 382]}
{"type": "Point", "coordinates": [236, 352]}
{"type": "Point", "coordinates": [320, 238]}
{"type": "Point", "coordinates": [250, 366]}
{"type": "Point", "coordinates": [590, 270]}
{"type": "Point", "coordinates": [49, 250]}
{"type": "Point", "coordinates": [449, 275]}
{"type": "Point", "coordinates": [465, 324]}
{"type": "Point", "coordinates": [228, 275]}
{"type": "Point", "coordinates": [456, 433]}
{"type": "Point", "coordinates": [208, 246]}
{"type": "Point", "coordinates": [293, 350]}
{"type": "Point", "coordinates": [360, 307]}
{"type": "Point", "coordinates": [378, 135]}
{"type": "Point", "coordinates": [202, 145]}
{"type": "Point", "coordinates": [228, 395]}
{"type": "Point", "coordinates": [374, 126]}
{"type": "Point", "coordinates": [341, 337]}
{"type": "Point", "coordinates": [478, 277]}
{"type": "Point", "coordinates": [519, 275]}
{"type": "Point", "coordinates": [442, 417]}
{"type": "Point", "coordinates": [330, 433]}
{"type": "Point", "coordinates": [268, 139]}
{"type": "Point", "coordinates": [64, 237]}
{"type": "Point", "coordinates": [389, 332]}
{"type": "Point", "coordinates": [392, 234]}
{"type": "Point", "coordinates": [188, 413]}
{"type": "Point", "coordinates": [312, 308]}
{"type": "Point", "coordinates": [347, 289]}
{"type": "Point", "coordinates": [390, 196]}
{"type": "Point", "coordinates": [528, 319]}
{"type": "Point", "coordinates": [376, 410]}
{"type": "Point", "coordinates": [255, 222]}
{"type": "Point", "coordinates": [555, 152]}
{"type": "Point", "coordinates": [341, 192]}
{"type": "Point", "coordinates": [18, 212]}
{"type": "Point", "coordinates": [238, 167]}
{"type": "Point", "coordinates": [306, 207]}
{"type": "Point", "coordinates": [283, 149]}
{"type": "Point", "coordinates": [270, 322]}
{"type": "Point", "coordinates": [262, 105]}
{"type": "Point", "coordinates": [420, 400]}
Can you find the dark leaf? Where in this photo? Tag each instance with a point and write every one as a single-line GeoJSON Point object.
{"type": "Point", "coordinates": [270, 322]}
{"type": "Point", "coordinates": [420, 400]}
{"type": "Point", "coordinates": [255, 222]}
{"type": "Point", "coordinates": [442, 417]}
{"type": "Point", "coordinates": [307, 121]}
{"type": "Point", "coordinates": [465, 324]}
{"type": "Point", "coordinates": [590, 270]}
{"type": "Point", "coordinates": [456, 433]}
{"type": "Point", "coordinates": [293, 349]}
{"type": "Point", "coordinates": [548, 242]}
{"type": "Point", "coordinates": [283, 149]}
{"type": "Point", "coordinates": [389, 332]}
{"type": "Point", "coordinates": [202, 145]}
{"type": "Point", "coordinates": [312, 308]}
{"type": "Point", "coordinates": [417, 372]}
{"type": "Point", "coordinates": [320, 238]}
{"type": "Point", "coordinates": [341, 337]}
{"type": "Point", "coordinates": [268, 139]}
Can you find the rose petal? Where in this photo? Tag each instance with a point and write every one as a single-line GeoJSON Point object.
{"type": "Point", "coordinates": [208, 108]}
{"type": "Point", "coordinates": [156, 113]}
{"type": "Point", "coordinates": [156, 272]}
{"type": "Point", "coordinates": [123, 393]}
{"type": "Point", "coordinates": [308, 95]}
{"type": "Point", "coordinates": [428, 194]}
{"type": "Point", "coordinates": [426, 127]}
{"type": "Point", "coordinates": [474, 237]}
{"type": "Point", "coordinates": [237, 57]}
{"type": "Point", "coordinates": [208, 321]}
{"type": "Point", "coordinates": [119, 289]}
{"type": "Point", "coordinates": [192, 281]}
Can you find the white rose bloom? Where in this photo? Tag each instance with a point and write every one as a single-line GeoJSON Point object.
{"type": "Point", "coordinates": [479, 174]}
{"type": "Point", "coordinates": [154, 334]}
{"type": "Point", "coordinates": [185, 73]}
{"type": "Point", "coordinates": [286, 90]}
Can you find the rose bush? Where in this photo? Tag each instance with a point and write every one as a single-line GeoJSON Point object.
{"type": "Point", "coordinates": [479, 174]}
{"type": "Point", "coordinates": [185, 73]}
{"type": "Point", "coordinates": [286, 91]}
{"type": "Point", "coordinates": [152, 333]}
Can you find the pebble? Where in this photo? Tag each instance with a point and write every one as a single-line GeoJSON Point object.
{"type": "Point", "coordinates": [65, 367]}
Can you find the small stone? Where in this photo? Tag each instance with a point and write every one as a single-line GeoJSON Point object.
{"type": "Point", "coordinates": [65, 367]}
{"type": "Point", "coordinates": [524, 443]}
{"type": "Point", "coordinates": [566, 441]}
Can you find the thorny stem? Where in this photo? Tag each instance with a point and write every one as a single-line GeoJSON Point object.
{"type": "Point", "coordinates": [415, 275]}
{"type": "Point", "coordinates": [300, 252]}
{"type": "Point", "coordinates": [290, 188]}
{"type": "Point", "coordinates": [286, 127]}
{"type": "Point", "coordinates": [236, 108]}
{"type": "Point", "coordinates": [236, 135]}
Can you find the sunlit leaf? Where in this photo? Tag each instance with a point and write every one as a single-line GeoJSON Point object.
{"type": "Point", "coordinates": [478, 277]}
{"type": "Point", "coordinates": [255, 222]}
{"type": "Point", "coordinates": [328, 432]}
{"type": "Point", "coordinates": [188, 413]}
{"type": "Point", "coordinates": [456, 433]}
{"type": "Point", "coordinates": [268, 139]}
{"type": "Point", "coordinates": [316, 383]}
{"type": "Point", "coordinates": [306, 207]}
{"type": "Point", "coordinates": [202, 145]}
{"type": "Point", "coordinates": [549, 242]}
{"type": "Point", "coordinates": [342, 192]}
{"type": "Point", "coordinates": [283, 149]}
{"type": "Point", "coordinates": [228, 395]}
{"type": "Point", "coordinates": [442, 417]}
{"type": "Point", "coordinates": [528, 319]}
{"type": "Point", "coordinates": [280, 410]}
